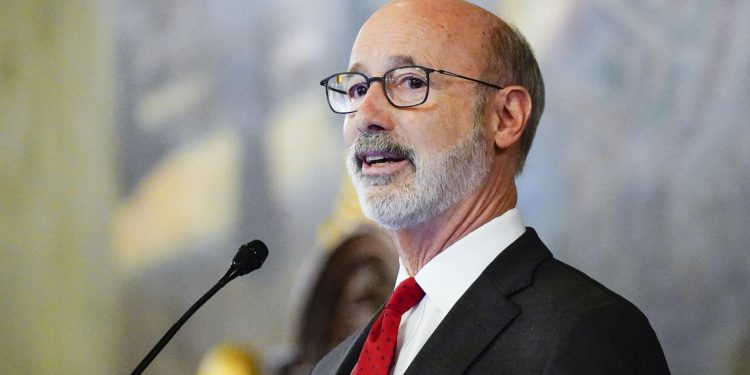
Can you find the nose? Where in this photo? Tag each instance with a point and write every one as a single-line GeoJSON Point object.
{"type": "Point", "coordinates": [375, 112]}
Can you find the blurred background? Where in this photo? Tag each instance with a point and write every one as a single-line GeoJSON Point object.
{"type": "Point", "coordinates": [142, 142]}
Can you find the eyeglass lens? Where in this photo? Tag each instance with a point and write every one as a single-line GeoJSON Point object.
{"type": "Point", "coordinates": [404, 87]}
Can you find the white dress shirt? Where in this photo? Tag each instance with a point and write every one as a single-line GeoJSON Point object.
{"type": "Point", "coordinates": [446, 277]}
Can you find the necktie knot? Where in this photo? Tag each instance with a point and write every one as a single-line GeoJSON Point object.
{"type": "Point", "coordinates": [405, 296]}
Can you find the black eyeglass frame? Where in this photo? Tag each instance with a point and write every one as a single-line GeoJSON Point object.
{"type": "Point", "coordinates": [369, 80]}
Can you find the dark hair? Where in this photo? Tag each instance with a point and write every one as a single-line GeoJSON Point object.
{"type": "Point", "coordinates": [510, 61]}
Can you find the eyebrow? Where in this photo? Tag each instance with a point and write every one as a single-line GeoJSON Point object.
{"type": "Point", "coordinates": [393, 62]}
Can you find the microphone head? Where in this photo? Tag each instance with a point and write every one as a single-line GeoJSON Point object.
{"type": "Point", "coordinates": [250, 257]}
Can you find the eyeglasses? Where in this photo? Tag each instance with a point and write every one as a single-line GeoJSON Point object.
{"type": "Point", "coordinates": [404, 87]}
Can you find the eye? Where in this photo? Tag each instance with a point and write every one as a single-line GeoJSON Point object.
{"type": "Point", "coordinates": [410, 81]}
{"type": "Point", "coordinates": [357, 91]}
{"type": "Point", "coordinates": [415, 83]}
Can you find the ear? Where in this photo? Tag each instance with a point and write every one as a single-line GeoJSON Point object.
{"type": "Point", "coordinates": [511, 108]}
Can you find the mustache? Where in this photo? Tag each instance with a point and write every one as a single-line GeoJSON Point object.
{"type": "Point", "coordinates": [382, 143]}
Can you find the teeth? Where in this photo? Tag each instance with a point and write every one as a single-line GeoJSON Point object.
{"type": "Point", "coordinates": [370, 159]}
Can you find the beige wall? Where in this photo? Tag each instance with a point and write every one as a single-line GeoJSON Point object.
{"type": "Point", "coordinates": [56, 188]}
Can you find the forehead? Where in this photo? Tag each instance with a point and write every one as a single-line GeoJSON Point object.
{"type": "Point", "coordinates": [405, 33]}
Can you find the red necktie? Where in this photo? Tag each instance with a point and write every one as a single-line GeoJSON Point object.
{"type": "Point", "coordinates": [377, 353]}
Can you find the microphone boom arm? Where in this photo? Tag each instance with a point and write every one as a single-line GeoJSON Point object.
{"type": "Point", "coordinates": [249, 257]}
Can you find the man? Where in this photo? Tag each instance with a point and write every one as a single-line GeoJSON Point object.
{"type": "Point", "coordinates": [442, 99]}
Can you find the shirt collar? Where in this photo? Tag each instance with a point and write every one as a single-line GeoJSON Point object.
{"type": "Point", "coordinates": [447, 276]}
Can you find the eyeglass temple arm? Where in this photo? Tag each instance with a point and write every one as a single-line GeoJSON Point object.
{"type": "Point", "coordinates": [338, 91]}
{"type": "Point", "coordinates": [445, 72]}
{"type": "Point", "coordinates": [333, 89]}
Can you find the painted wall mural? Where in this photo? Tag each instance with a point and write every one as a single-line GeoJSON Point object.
{"type": "Point", "coordinates": [637, 177]}
{"type": "Point", "coordinates": [640, 174]}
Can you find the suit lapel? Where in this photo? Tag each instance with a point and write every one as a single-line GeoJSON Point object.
{"type": "Point", "coordinates": [469, 327]}
{"type": "Point", "coordinates": [350, 350]}
{"type": "Point", "coordinates": [482, 312]}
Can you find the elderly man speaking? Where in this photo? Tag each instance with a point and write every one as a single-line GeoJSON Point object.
{"type": "Point", "coordinates": [441, 103]}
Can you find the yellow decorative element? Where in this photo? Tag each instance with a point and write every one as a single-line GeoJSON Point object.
{"type": "Point", "coordinates": [301, 144]}
{"type": "Point", "coordinates": [190, 197]}
{"type": "Point", "coordinates": [163, 103]}
{"type": "Point", "coordinates": [345, 219]}
{"type": "Point", "coordinates": [229, 359]}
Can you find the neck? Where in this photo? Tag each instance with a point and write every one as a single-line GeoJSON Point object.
{"type": "Point", "coordinates": [417, 245]}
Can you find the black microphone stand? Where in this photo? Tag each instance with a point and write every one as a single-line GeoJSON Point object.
{"type": "Point", "coordinates": [229, 276]}
{"type": "Point", "coordinates": [249, 257]}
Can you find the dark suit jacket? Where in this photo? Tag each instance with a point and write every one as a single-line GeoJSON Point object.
{"type": "Point", "coordinates": [529, 313]}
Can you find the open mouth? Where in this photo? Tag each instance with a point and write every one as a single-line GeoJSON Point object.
{"type": "Point", "coordinates": [379, 159]}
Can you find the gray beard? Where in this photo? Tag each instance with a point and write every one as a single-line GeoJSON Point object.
{"type": "Point", "coordinates": [439, 180]}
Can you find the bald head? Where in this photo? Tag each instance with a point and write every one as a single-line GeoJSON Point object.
{"type": "Point", "coordinates": [452, 28]}
{"type": "Point", "coordinates": [445, 12]}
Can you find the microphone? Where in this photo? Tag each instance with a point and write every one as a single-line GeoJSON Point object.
{"type": "Point", "coordinates": [249, 258]}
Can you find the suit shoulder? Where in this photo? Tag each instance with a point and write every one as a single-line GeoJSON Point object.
{"type": "Point", "coordinates": [570, 288]}
{"type": "Point", "coordinates": [562, 299]}
{"type": "Point", "coordinates": [588, 327]}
